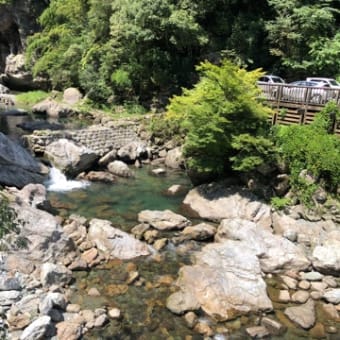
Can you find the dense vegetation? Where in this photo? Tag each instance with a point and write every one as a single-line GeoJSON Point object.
{"type": "Point", "coordinates": [147, 52]}
{"type": "Point", "coordinates": [217, 112]}
{"type": "Point", "coordinates": [123, 50]}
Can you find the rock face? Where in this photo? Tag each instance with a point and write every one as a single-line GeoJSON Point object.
{"type": "Point", "coordinates": [17, 166]}
{"type": "Point", "coordinates": [216, 201]}
{"type": "Point", "coordinates": [70, 158]}
{"type": "Point", "coordinates": [222, 283]}
{"type": "Point", "coordinates": [43, 234]}
{"type": "Point", "coordinates": [115, 243]}
{"type": "Point", "coordinates": [17, 21]}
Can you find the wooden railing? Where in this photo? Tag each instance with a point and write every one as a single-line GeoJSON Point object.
{"type": "Point", "coordinates": [298, 104]}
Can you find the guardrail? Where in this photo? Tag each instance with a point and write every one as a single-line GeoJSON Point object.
{"type": "Point", "coordinates": [298, 104]}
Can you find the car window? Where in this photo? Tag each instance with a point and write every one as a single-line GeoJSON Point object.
{"type": "Point", "coordinates": [277, 80]}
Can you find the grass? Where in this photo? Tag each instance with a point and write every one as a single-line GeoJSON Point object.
{"type": "Point", "coordinates": [27, 99]}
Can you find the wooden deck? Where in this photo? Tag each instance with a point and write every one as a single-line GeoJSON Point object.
{"type": "Point", "coordinates": [298, 104]}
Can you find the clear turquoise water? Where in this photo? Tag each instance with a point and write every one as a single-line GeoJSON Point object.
{"type": "Point", "coordinates": [122, 201]}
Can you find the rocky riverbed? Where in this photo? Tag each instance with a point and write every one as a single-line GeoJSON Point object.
{"type": "Point", "coordinates": [246, 270]}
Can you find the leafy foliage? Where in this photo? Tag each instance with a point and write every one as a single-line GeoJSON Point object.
{"type": "Point", "coordinates": [304, 35]}
{"type": "Point", "coordinates": [222, 105]}
{"type": "Point", "coordinates": [311, 148]}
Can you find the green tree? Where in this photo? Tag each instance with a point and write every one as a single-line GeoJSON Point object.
{"type": "Point", "coordinates": [55, 52]}
{"type": "Point", "coordinates": [223, 105]}
{"type": "Point", "coordinates": [297, 32]}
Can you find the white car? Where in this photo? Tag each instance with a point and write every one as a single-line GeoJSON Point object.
{"type": "Point", "coordinates": [266, 83]}
{"type": "Point", "coordinates": [307, 91]}
{"type": "Point", "coordinates": [330, 81]}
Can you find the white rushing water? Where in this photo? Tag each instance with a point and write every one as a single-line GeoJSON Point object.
{"type": "Point", "coordinates": [58, 182]}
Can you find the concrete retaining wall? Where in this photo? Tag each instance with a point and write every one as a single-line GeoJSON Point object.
{"type": "Point", "coordinates": [97, 138]}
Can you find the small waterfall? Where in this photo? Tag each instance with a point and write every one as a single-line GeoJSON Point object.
{"type": "Point", "coordinates": [58, 182]}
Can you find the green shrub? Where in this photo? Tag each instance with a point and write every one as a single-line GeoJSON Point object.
{"type": "Point", "coordinates": [311, 147]}
{"type": "Point", "coordinates": [279, 203]}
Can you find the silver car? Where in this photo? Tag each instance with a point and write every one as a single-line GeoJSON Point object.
{"type": "Point", "coordinates": [307, 91]}
{"type": "Point", "coordinates": [267, 82]}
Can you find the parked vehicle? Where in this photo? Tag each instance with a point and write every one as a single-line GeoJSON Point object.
{"type": "Point", "coordinates": [266, 83]}
{"type": "Point", "coordinates": [270, 79]}
{"type": "Point", "coordinates": [310, 91]}
{"type": "Point", "coordinates": [330, 81]}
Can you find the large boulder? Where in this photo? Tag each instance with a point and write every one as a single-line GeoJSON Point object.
{"type": "Point", "coordinates": [303, 231]}
{"type": "Point", "coordinates": [52, 108]}
{"type": "Point", "coordinates": [174, 159]}
{"type": "Point", "coordinates": [120, 169]}
{"type": "Point", "coordinates": [114, 242]}
{"type": "Point", "coordinates": [163, 220]}
{"type": "Point", "coordinates": [275, 252]}
{"type": "Point", "coordinates": [217, 201]}
{"type": "Point", "coordinates": [72, 96]}
{"type": "Point", "coordinates": [41, 235]}
{"type": "Point", "coordinates": [133, 151]}
{"type": "Point", "coordinates": [17, 165]}
{"type": "Point", "coordinates": [225, 282]}
{"type": "Point", "coordinates": [70, 158]}
{"type": "Point", "coordinates": [326, 255]}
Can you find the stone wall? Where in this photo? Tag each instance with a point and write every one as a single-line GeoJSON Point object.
{"type": "Point", "coordinates": [100, 139]}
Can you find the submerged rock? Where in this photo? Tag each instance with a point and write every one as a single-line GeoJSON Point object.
{"type": "Point", "coordinates": [303, 315]}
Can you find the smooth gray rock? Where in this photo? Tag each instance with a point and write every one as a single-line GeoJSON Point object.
{"type": "Point", "coordinates": [174, 159]}
{"type": "Point", "coordinates": [217, 201]}
{"type": "Point", "coordinates": [332, 295]}
{"type": "Point", "coordinates": [37, 329]}
{"type": "Point", "coordinates": [70, 158]}
{"type": "Point", "coordinates": [303, 315]}
{"type": "Point", "coordinates": [275, 252]}
{"type": "Point", "coordinates": [52, 108]}
{"type": "Point", "coordinates": [17, 165]}
{"type": "Point", "coordinates": [114, 242]}
{"type": "Point", "coordinates": [8, 297]}
{"type": "Point", "coordinates": [119, 168]}
{"type": "Point", "coordinates": [326, 257]}
{"type": "Point", "coordinates": [44, 236]}
{"type": "Point", "coordinates": [52, 274]}
{"type": "Point", "coordinates": [9, 282]}
{"type": "Point", "coordinates": [163, 219]}
{"type": "Point", "coordinates": [50, 301]}
{"type": "Point", "coordinates": [223, 283]}
{"type": "Point", "coordinates": [132, 151]}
